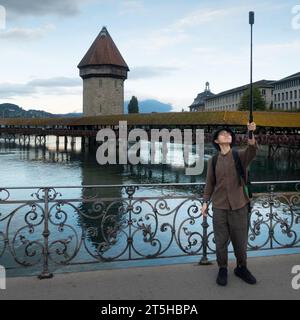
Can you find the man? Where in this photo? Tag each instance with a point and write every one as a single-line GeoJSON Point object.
{"type": "Point", "coordinates": [230, 202]}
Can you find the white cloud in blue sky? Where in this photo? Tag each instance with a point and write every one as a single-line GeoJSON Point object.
{"type": "Point", "coordinates": [172, 47]}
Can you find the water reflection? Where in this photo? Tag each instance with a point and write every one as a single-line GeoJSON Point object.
{"type": "Point", "coordinates": [38, 165]}
{"type": "Point", "coordinates": [102, 227]}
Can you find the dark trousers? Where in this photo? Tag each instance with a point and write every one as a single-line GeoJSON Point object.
{"type": "Point", "coordinates": [231, 225]}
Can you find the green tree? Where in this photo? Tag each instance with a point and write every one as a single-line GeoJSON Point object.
{"type": "Point", "coordinates": [258, 101]}
{"type": "Point", "coordinates": [133, 106]}
{"type": "Point", "coordinates": [271, 105]}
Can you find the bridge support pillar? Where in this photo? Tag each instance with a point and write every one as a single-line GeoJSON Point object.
{"type": "Point", "coordinates": [92, 142]}
{"type": "Point", "coordinates": [85, 143]}
{"type": "Point", "coordinates": [66, 142]}
{"type": "Point", "coordinates": [73, 143]}
{"type": "Point", "coordinates": [269, 151]}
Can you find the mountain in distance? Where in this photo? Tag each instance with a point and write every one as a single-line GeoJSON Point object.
{"type": "Point", "coordinates": [9, 110]}
{"type": "Point", "coordinates": [150, 105]}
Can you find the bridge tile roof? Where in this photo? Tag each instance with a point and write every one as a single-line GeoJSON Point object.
{"type": "Point", "coordinates": [234, 118]}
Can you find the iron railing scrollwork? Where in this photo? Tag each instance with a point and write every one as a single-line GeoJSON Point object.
{"type": "Point", "coordinates": [58, 226]}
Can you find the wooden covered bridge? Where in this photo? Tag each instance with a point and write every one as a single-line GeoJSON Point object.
{"type": "Point", "coordinates": [275, 129]}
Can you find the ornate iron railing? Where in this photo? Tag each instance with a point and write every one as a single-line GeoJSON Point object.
{"type": "Point", "coordinates": [41, 227]}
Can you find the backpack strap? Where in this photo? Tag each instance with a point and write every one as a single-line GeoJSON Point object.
{"type": "Point", "coordinates": [239, 166]}
{"type": "Point", "coordinates": [214, 164]}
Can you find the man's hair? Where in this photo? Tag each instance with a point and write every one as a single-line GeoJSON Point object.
{"type": "Point", "coordinates": [216, 135]}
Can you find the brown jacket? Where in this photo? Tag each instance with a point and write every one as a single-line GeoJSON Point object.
{"type": "Point", "coordinates": [227, 193]}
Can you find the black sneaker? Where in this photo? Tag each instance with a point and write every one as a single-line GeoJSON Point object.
{"type": "Point", "coordinates": [222, 277]}
{"type": "Point", "coordinates": [245, 274]}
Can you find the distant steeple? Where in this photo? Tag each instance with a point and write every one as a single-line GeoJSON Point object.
{"type": "Point", "coordinates": [207, 86]}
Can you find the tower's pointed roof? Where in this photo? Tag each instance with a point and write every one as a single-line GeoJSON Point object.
{"type": "Point", "coordinates": [103, 51]}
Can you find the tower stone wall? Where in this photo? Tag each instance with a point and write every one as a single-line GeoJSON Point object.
{"type": "Point", "coordinates": [103, 71]}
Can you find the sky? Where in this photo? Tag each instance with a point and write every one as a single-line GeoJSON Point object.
{"type": "Point", "coordinates": [172, 47]}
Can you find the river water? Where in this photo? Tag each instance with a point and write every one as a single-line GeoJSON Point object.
{"type": "Point", "coordinates": [48, 166]}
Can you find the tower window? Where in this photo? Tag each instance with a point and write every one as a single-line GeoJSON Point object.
{"type": "Point", "coordinates": [100, 108]}
{"type": "Point", "coordinates": [100, 83]}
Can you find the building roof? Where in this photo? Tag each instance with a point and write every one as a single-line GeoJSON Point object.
{"type": "Point", "coordinates": [260, 84]}
{"type": "Point", "coordinates": [200, 100]}
{"type": "Point", "coordinates": [103, 51]}
{"type": "Point", "coordinates": [291, 77]}
{"type": "Point", "coordinates": [202, 97]}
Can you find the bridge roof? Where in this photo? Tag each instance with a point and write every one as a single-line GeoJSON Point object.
{"type": "Point", "coordinates": [264, 119]}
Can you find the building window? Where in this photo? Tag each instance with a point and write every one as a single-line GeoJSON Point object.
{"type": "Point", "coordinates": [263, 92]}
{"type": "Point", "coordinates": [295, 94]}
{"type": "Point", "coordinates": [100, 83]}
{"type": "Point", "coordinates": [286, 96]}
{"type": "Point", "coordinates": [291, 95]}
{"type": "Point", "coordinates": [282, 96]}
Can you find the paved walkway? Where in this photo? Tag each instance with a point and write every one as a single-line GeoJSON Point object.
{"type": "Point", "coordinates": [184, 281]}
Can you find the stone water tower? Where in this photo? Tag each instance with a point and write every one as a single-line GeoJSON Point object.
{"type": "Point", "coordinates": [103, 71]}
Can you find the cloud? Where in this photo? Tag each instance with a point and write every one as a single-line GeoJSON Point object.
{"type": "Point", "coordinates": [157, 41]}
{"type": "Point", "coordinates": [145, 72]}
{"type": "Point", "coordinates": [46, 7]}
{"type": "Point", "coordinates": [56, 82]}
{"type": "Point", "coordinates": [176, 33]}
{"type": "Point", "coordinates": [25, 33]}
{"type": "Point", "coordinates": [279, 54]}
{"type": "Point", "coordinates": [131, 6]}
{"type": "Point", "coordinates": [61, 85]}
{"type": "Point", "coordinates": [8, 90]}
{"type": "Point", "coordinates": [208, 15]}
{"type": "Point", "coordinates": [201, 16]}
{"type": "Point", "coordinates": [277, 48]}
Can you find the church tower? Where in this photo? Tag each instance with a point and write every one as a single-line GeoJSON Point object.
{"type": "Point", "coordinates": [103, 71]}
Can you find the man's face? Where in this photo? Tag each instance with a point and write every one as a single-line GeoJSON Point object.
{"type": "Point", "coordinates": [224, 137]}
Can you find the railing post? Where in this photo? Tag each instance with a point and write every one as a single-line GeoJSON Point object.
{"type": "Point", "coordinates": [271, 216]}
{"type": "Point", "coordinates": [46, 274]}
{"type": "Point", "coordinates": [204, 259]}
